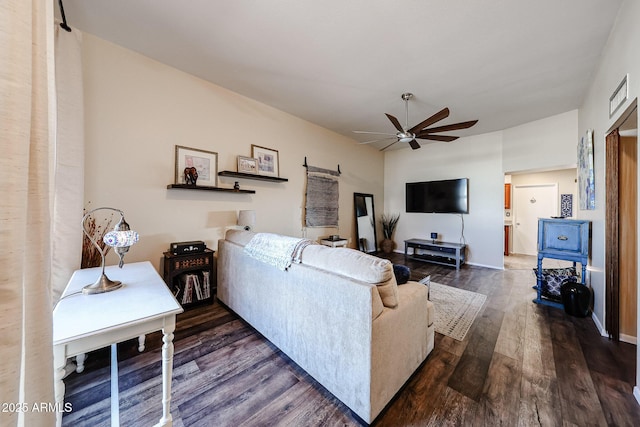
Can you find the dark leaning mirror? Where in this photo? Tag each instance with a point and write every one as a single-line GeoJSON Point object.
{"type": "Point", "coordinates": [365, 222]}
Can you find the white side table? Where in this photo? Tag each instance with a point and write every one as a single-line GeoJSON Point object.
{"type": "Point", "coordinates": [335, 243]}
{"type": "Point", "coordinates": [82, 323]}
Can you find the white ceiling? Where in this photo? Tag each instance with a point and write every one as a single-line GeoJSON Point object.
{"type": "Point", "coordinates": [343, 64]}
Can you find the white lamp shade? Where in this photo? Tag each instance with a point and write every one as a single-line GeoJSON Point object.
{"type": "Point", "coordinates": [247, 219]}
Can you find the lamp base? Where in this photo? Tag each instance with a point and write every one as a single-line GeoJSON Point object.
{"type": "Point", "coordinates": [103, 284]}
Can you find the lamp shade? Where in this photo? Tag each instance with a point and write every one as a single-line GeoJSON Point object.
{"type": "Point", "coordinates": [120, 238]}
{"type": "Point", "coordinates": [247, 219]}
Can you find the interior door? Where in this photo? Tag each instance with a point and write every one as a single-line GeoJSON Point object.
{"type": "Point", "coordinates": [621, 269]}
{"type": "Point", "coordinates": [628, 267]}
{"type": "Point", "coordinates": [530, 203]}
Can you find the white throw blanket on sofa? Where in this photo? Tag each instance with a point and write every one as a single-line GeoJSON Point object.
{"type": "Point", "coordinates": [274, 249]}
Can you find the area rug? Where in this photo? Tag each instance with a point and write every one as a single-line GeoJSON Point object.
{"type": "Point", "coordinates": [456, 309]}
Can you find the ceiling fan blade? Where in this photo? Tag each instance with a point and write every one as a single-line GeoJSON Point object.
{"type": "Point", "coordinates": [442, 114]}
{"type": "Point", "coordinates": [394, 142]}
{"type": "Point", "coordinates": [373, 133]}
{"type": "Point", "coordinates": [376, 140]}
{"type": "Point", "coordinates": [395, 122]}
{"type": "Point", "coordinates": [444, 138]}
{"type": "Point", "coordinates": [455, 126]}
{"type": "Point", "coordinates": [414, 144]}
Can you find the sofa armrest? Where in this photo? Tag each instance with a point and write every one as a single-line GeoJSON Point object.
{"type": "Point", "coordinates": [402, 339]}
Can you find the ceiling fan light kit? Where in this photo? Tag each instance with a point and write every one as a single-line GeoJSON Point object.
{"type": "Point", "coordinates": [421, 130]}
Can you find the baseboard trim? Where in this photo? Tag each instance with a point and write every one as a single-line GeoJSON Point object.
{"type": "Point", "coordinates": [601, 329]}
{"type": "Point", "coordinates": [493, 267]}
{"type": "Point", "coordinates": [629, 339]}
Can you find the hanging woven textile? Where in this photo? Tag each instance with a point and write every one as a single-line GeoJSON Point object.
{"type": "Point", "coordinates": [321, 208]}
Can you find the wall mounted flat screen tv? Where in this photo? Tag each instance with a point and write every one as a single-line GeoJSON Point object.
{"type": "Point", "coordinates": [447, 196]}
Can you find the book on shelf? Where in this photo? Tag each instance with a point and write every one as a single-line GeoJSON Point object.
{"type": "Point", "coordinates": [196, 287]}
{"type": "Point", "coordinates": [206, 285]}
{"type": "Point", "coordinates": [192, 289]}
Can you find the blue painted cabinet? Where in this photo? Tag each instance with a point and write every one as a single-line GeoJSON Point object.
{"type": "Point", "coordinates": [565, 239]}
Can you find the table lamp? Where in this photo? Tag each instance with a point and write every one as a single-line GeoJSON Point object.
{"type": "Point", "coordinates": [247, 219]}
{"type": "Point", "coordinates": [120, 238]}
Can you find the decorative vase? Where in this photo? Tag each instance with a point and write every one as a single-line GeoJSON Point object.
{"type": "Point", "coordinates": [387, 246]}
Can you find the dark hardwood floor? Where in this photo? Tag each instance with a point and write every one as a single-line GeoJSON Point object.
{"type": "Point", "coordinates": [520, 364]}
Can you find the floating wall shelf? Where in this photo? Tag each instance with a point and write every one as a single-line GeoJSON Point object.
{"type": "Point", "coordinates": [206, 188]}
{"type": "Point", "coordinates": [252, 176]}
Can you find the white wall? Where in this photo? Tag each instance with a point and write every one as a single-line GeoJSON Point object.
{"type": "Point", "coordinates": [137, 110]}
{"type": "Point", "coordinates": [545, 144]}
{"type": "Point", "coordinates": [478, 158]}
{"type": "Point", "coordinates": [484, 159]}
{"type": "Point", "coordinates": [619, 58]}
{"type": "Point", "coordinates": [565, 178]}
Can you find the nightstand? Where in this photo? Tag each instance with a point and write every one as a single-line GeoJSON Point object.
{"type": "Point", "coordinates": [565, 239]}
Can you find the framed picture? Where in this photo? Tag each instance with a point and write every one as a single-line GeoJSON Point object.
{"type": "Point", "coordinates": [247, 164]}
{"type": "Point", "coordinates": [267, 160]}
{"type": "Point", "coordinates": [586, 176]}
{"type": "Point", "coordinates": [205, 162]}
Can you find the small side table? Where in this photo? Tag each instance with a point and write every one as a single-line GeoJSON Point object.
{"type": "Point", "coordinates": [190, 292]}
{"type": "Point", "coordinates": [335, 243]}
{"type": "Point", "coordinates": [565, 239]}
{"type": "Point", "coordinates": [82, 323]}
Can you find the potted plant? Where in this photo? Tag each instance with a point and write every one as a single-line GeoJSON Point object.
{"type": "Point", "coordinates": [389, 223]}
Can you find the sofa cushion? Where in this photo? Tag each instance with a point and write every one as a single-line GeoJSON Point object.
{"type": "Point", "coordinates": [356, 265]}
{"type": "Point", "coordinates": [553, 278]}
{"type": "Point", "coordinates": [402, 273]}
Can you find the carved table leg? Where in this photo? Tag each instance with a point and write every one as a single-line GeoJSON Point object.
{"type": "Point", "coordinates": [167, 367]}
{"type": "Point", "coordinates": [80, 362]}
{"type": "Point", "coordinates": [59, 363]}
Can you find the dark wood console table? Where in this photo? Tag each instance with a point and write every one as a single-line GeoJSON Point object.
{"type": "Point", "coordinates": [445, 253]}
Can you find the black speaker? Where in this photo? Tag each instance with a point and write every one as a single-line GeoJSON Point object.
{"type": "Point", "coordinates": [576, 298]}
{"type": "Point", "coordinates": [193, 247]}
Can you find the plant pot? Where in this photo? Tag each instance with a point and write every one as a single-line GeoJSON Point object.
{"type": "Point", "coordinates": [387, 245]}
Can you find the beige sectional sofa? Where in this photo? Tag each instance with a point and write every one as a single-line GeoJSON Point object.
{"type": "Point", "coordinates": [338, 314]}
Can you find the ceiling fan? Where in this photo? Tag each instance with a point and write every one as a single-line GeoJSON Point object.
{"type": "Point", "coordinates": [419, 131]}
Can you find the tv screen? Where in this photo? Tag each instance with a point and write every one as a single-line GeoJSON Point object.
{"type": "Point", "coordinates": [447, 196]}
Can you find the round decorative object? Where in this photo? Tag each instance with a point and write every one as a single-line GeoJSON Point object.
{"type": "Point", "coordinates": [402, 273]}
{"type": "Point", "coordinates": [576, 298]}
{"type": "Point", "coordinates": [387, 246]}
{"type": "Point", "coordinates": [190, 175]}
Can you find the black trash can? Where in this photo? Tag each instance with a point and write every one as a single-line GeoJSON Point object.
{"type": "Point", "coordinates": [576, 298]}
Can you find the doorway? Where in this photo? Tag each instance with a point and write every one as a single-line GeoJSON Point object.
{"type": "Point", "coordinates": [621, 227]}
{"type": "Point", "coordinates": [530, 203]}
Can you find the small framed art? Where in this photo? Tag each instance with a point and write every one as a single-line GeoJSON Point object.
{"type": "Point", "coordinates": [247, 165]}
{"type": "Point", "coordinates": [268, 162]}
{"type": "Point", "coordinates": [205, 163]}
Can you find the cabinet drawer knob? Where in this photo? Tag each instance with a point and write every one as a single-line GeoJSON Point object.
{"type": "Point", "coordinates": [563, 238]}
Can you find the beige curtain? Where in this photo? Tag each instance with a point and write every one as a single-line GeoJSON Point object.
{"type": "Point", "coordinates": [68, 171]}
{"type": "Point", "coordinates": [26, 88]}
